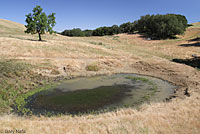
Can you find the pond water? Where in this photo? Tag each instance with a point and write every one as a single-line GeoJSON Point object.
{"type": "Point", "coordinates": [86, 94]}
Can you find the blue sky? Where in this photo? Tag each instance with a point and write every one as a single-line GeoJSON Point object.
{"type": "Point", "coordinates": [90, 14]}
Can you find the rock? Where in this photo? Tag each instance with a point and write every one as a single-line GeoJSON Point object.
{"type": "Point", "coordinates": [64, 68]}
{"type": "Point", "coordinates": [148, 38]}
{"type": "Point", "coordinates": [33, 84]}
{"type": "Point", "coordinates": [167, 99]}
{"type": "Point", "coordinates": [187, 92]}
{"type": "Point", "coordinates": [172, 97]}
{"type": "Point", "coordinates": [195, 56]}
{"type": "Point", "coordinates": [174, 91]}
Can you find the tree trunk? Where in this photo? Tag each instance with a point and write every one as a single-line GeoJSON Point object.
{"type": "Point", "coordinates": [40, 39]}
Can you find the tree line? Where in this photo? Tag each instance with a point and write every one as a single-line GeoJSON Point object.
{"type": "Point", "coordinates": [153, 26]}
{"type": "Point", "coordinates": [101, 31]}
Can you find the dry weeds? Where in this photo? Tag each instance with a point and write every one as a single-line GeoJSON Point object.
{"type": "Point", "coordinates": [177, 117]}
{"type": "Point", "coordinates": [125, 53]}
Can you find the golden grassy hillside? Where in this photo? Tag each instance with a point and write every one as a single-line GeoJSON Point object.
{"type": "Point", "coordinates": [26, 64]}
{"type": "Point", "coordinates": [8, 27]}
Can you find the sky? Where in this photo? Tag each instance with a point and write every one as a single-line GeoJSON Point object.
{"type": "Point", "coordinates": [90, 14]}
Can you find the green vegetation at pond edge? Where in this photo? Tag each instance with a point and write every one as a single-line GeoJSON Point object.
{"type": "Point", "coordinates": [81, 100]}
{"type": "Point", "coordinates": [11, 82]}
{"type": "Point", "coordinates": [89, 95]}
{"type": "Point", "coordinates": [21, 100]}
{"type": "Point", "coordinates": [154, 87]}
{"type": "Point", "coordinates": [16, 79]}
{"type": "Point", "coordinates": [138, 79]}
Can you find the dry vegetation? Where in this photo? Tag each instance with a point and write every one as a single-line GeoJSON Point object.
{"type": "Point", "coordinates": [178, 117]}
{"type": "Point", "coordinates": [111, 54]}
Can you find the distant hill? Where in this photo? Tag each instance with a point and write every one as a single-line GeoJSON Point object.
{"type": "Point", "coordinates": [196, 25]}
{"type": "Point", "coordinates": [10, 27]}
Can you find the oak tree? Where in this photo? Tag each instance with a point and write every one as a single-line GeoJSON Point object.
{"type": "Point", "coordinates": [39, 23]}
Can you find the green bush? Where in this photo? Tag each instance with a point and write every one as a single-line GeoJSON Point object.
{"type": "Point", "coordinates": [92, 67]}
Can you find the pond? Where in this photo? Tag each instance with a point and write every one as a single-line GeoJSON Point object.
{"type": "Point", "coordinates": [100, 93]}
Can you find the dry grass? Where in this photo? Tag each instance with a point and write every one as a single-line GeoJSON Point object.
{"type": "Point", "coordinates": [177, 117]}
{"type": "Point", "coordinates": [8, 27]}
{"type": "Point", "coordinates": [124, 53]}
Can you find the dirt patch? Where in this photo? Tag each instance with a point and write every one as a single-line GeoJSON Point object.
{"type": "Point", "coordinates": [183, 76]}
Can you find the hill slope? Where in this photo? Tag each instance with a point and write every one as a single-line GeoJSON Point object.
{"type": "Point", "coordinates": [26, 64]}
{"type": "Point", "coordinates": [9, 27]}
{"type": "Point", "coordinates": [196, 25]}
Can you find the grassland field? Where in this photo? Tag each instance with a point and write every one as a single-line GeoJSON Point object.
{"type": "Point", "coordinates": [27, 64]}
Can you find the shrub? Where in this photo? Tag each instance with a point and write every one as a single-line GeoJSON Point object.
{"type": "Point", "coordinates": [92, 67]}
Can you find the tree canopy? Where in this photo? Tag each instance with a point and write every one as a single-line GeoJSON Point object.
{"type": "Point", "coordinates": [161, 26]}
{"type": "Point", "coordinates": [154, 26]}
{"type": "Point", "coordinates": [77, 32]}
{"type": "Point", "coordinates": [39, 22]}
{"type": "Point", "coordinates": [126, 28]}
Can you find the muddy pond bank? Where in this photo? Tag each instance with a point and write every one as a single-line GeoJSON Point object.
{"type": "Point", "coordinates": [99, 93]}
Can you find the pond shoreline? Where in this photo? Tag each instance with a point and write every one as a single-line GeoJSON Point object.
{"type": "Point", "coordinates": [28, 98]}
